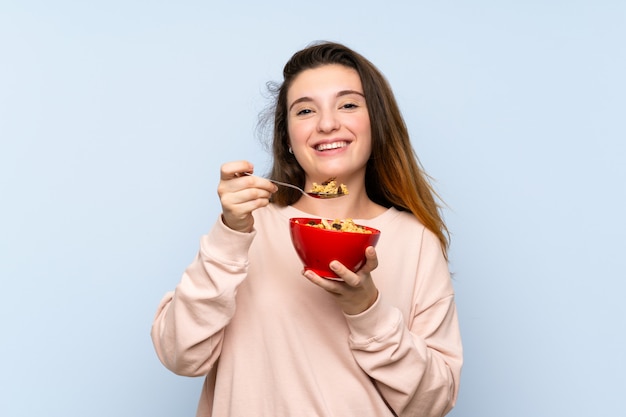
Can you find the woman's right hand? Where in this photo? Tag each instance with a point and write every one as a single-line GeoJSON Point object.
{"type": "Point", "coordinates": [241, 194]}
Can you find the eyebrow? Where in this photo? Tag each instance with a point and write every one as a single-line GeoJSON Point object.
{"type": "Point", "coordinates": [339, 94]}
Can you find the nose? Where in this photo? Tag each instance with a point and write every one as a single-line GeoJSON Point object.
{"type": "Point", "coordinates": [328, 121]}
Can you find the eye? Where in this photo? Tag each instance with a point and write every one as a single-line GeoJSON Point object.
{"type": "Point", "coordinates": [350, 106]}
{"type": "Point", "coordinates": [303, 112]}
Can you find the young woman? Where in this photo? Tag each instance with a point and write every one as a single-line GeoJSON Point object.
{"type": "Point", "coordinates": [273, 340]}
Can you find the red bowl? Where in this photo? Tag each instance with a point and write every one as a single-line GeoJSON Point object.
{"type": "Point", "coordinates": [317, 247]}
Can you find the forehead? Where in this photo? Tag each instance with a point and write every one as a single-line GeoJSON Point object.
{"type": "Point", "coordinates": [324, 80]}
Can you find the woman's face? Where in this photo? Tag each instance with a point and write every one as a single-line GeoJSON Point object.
{"type": "Point", "coordinates": [328, 124]}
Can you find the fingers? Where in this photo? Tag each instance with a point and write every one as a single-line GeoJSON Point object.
{"type": "Point", "coordinates": [357, 292]}
{"type": "Point", "coordinates": [241, 195]}
{"type": "Point", "coordinates": [233, 169]}
{"type": "Point", "coordinates": [356, 279]}
{"type": "Point", "coordinates": [351, 299]}
{"type": "Point", "coordinates": [371, 260]}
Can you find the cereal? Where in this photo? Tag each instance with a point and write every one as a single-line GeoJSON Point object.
{"type": "Point", "coordinates": [346, 225]}
{"type": "Point", "coordinates": [329, 187]}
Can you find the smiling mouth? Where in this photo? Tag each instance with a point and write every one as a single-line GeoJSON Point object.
{"type": "Point", "coordinates": [330, 146]}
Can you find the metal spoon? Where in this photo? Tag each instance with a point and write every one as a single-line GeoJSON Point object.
{"type": "Point", "coordinates": [310, 194]}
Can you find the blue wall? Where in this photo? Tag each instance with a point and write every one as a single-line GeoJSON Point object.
{"type": "Point", "coordinates": [115, 117]}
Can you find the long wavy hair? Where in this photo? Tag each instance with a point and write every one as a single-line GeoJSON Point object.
{"type": "Point", "coordinates": [394, 176]}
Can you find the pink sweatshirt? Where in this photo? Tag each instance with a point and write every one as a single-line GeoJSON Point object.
{"type": "Point", "coordinates": [273, 344]}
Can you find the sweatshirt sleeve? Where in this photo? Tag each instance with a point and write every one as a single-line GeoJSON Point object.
{"type": "Point", "coordinates": [188, 327]}
{"type": "Point", "coordinates": [417, 365]}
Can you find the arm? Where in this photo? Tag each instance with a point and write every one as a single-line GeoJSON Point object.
{"type": "Point", "coordinates": [188, 328]}
{"type": "Point", "coordinates": [416, 375]}
{"type": "Point", "coordinates": [416, 366]}
{"type": "Point", "coordinates": [189, 324]}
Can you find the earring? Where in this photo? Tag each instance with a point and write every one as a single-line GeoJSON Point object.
{"type": "Point", "coordinates": [290, 150]}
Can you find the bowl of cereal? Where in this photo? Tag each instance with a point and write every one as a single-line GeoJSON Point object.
{"type": "Point", "coordinates": [320, 241]}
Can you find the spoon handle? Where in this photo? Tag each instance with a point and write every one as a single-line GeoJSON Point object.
{"type": "Point", "coordinates": [280, 183]}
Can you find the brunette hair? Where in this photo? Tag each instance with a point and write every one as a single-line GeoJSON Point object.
{"type": "Point", "coordinates": [394, 176]}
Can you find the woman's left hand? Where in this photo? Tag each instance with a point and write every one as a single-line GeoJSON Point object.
{"type": "Point", "coordinates": [357, 292]}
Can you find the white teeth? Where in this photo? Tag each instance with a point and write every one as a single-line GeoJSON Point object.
{"type": "Point", "coordinates": [333, 145]}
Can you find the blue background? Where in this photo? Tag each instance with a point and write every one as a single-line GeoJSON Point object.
{"type": "Point", "coordinates": [115, 117]}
